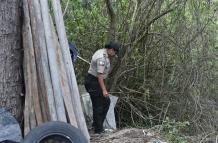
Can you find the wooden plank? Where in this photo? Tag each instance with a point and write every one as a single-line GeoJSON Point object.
{"type": "Point", "coordinates": [34, 83]}
{"type": "Point", "coordinates": [26, 70]}
{"type": "Point", "coordinates": [26, 66]}
{"type": "Point", "coordinates": [69, 67]}
{"type": "Point", "coordinates": [64, 80]}
{"type": "Point", "coordinates": [42, 86]}
{"type": "Point", "coordinates": [42, 59]}
{"type": "Point", "coordinates": [33, 120]}
{"type": "Point", "coordinates": [26, 116]}
{"type": "Point", "coordinates": [35, 33]}
{"type": "Point", "coordinates": [54, 70]}
{"type": "Point", "coordinates": [24, 29]}
{"type": "Point", "coordinates": [30, 116]}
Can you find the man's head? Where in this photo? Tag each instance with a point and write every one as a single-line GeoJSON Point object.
{"type": "Point", "coordinates": [112, 49]}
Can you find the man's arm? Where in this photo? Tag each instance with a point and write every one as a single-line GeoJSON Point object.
{"type": "Point", "coordinates": [102, 84]}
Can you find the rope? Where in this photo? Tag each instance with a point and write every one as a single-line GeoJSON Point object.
{"type": "Point", "coordinates": [83, 59]}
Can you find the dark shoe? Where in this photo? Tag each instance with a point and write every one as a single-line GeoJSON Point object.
{"type": "Point", "coordinates": [100, 132]}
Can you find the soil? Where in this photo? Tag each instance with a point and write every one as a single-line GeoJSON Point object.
{"type": "Point", "coordinates": [127, 136]}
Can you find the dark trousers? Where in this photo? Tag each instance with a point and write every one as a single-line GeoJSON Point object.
{"type": "Point", "coordinates": [100, 103]}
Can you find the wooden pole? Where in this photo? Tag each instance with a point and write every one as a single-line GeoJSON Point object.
{"type": "Point", "coordinates": [42, 59]}
{"type": "Point", "coordinates": [34, 83]}
{"type": "Point", "coordinates": [55, 80]}
{"type": "Point", "coordinates": [30, 76]}
{"type": "Point", "coordinates": [69, 67]}
{"type": "Point", "coordinates": [64, 80]}
{"type": "Point", "coordinates": [26, 68]}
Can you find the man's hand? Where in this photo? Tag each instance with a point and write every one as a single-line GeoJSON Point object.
{"type": "Point", "coordinates": [105, 93]}
{"type": "Point", "coordinates": [101, 82]}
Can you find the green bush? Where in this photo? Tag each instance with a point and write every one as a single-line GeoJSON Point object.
{"type": "Point", "coordinates": [172, 131]}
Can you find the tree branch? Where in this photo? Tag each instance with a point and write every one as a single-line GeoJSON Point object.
{"type": "Point", "coordinates": [152, 21]}
{"type": "Point", "coordinates": [112, 16]}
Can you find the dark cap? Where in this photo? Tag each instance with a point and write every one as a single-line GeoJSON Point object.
{"type": "Point", "coordinates": [112, 45]}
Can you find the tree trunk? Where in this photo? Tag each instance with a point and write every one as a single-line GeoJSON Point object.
{"type": "Point", "coordinates": [112, 16]}
{"type": "Point", "coordinates": [11, 79]}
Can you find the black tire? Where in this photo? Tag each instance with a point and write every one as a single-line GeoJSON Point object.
{"type": "Point", "coordinates": [55, 128]}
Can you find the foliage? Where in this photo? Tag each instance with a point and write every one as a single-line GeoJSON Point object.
{"type": "Point", "coordinates": [172, 131]}
{"type": "Point", "coordinates": [85, 23]}
{"type": "Point", "coordinates": [168, 62]}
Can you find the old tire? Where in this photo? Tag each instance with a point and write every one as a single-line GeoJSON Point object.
{"type": "Point", "coordinates": [55, 129]}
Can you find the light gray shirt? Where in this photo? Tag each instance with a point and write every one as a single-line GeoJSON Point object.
{"type": "Point", "coordinates": [100, 63]}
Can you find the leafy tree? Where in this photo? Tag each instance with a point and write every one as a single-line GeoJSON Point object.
{"type": "Point", "coordinates": [167, 66]}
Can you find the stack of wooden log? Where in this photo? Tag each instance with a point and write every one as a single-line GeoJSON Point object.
{"type": "Point", "coordinates": [51, 89]}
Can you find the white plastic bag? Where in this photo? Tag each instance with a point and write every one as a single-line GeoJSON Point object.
{"type": "Point", "coordinates": [110, 122]}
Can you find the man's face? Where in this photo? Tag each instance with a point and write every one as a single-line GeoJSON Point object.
{"type": "Point", "coordinates": [111, 52]}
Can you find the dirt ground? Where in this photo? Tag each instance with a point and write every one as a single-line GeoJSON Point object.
{"type": "Point", "coordinates": [127, 136]}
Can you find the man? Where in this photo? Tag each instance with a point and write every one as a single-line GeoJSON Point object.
{"type": "Point", "coordinates": [95, 84]}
